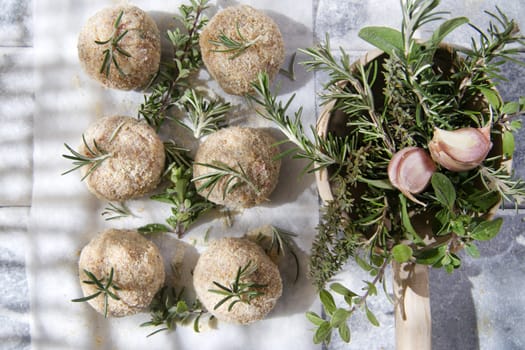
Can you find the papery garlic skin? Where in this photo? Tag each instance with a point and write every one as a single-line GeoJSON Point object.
{"type": "Point", "coordinates": [462, 149]}
{"type": "Point", "coordinates": [410, 171]}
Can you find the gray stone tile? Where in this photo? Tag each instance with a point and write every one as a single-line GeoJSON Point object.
{"type": "Point", "coordinates": [16, 133]}
{"type": "Point", "coordinates": [16, 23]}
{"type": "Point", "coordinates": [480, 306]}
{"type": "Point", "coordinates": [14, 335]}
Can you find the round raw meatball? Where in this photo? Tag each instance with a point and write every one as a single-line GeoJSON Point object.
{"type": "Point", "coordinates": [135, 158]}
{"type": "Point", "coordinates": [261, 42]}
{"type": "Point", "coordinates": [250, 153]}
{"type": "Point", "coordinates": [120, 47]}
{"type": "Point", "coordinates": [221, 264]}
{"type": "Point", "coordinates": [138, 271]}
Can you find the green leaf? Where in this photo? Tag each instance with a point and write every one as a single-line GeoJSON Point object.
{"type": "Point", "coordinates": [344, 332]}
{"type": "Point", "coordinates": [342, 290]}
{"type": "Point", "coordinates": [323, 333]}
{"type": "Point", "coordinates": [511, 108]}
{"type": "Point", "coordinates": [486, 230]}
{"type": "Point", "coordinates": [340, 316]}
{"type": "Point", "coordinates": [384, 38]}
{"type": "Point", "coordinates": [508, 143]}
{"type": "Point", "coordinates": [362, 263]}
{"type": "Point", "coordinates": [405, 218]}
{"type": "Point", "coordinates": [402, 253]}
{"type": "Point", "coordinates": [446, 28]}
{"type": "Point", "coordinates": [328, 301]}
{"type": "Point", "coordinates": [491, 96]}
{"type": "Point", "coordinates": [444, 189]}
{"type": "Point", "coordinates": [431, 256]}
{"type": "Point", "coordinates": [472, 250]}
{"type": "Point", "coordinates": [381, 184]}
{"type": "Point", "coordinates": [314, 318]}
{"type": "Point", "coordinates": [153, 228]}
{"type": "Point", "coordinates": [371, 317]}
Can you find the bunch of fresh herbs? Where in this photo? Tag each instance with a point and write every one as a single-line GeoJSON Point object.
{"type": "Point", "coordinates": [393, 102]}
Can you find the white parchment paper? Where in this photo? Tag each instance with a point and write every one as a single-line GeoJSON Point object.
{"type": "Point", "coordinates": [65, 216]}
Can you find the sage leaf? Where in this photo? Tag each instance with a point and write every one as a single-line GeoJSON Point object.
{"type": "Point", "coordinates": [323, 333]}
{"type": "Point", "coordinates": [508, 143]}
{"type": "Point", "coordinates": [444, 190]}
{"type": "Point", "coordinates": [328, 301]}
{"type": "Point", "coordinates": [314, 318]}
{"type": "Point", "coordinates": [472, 250]}
{"type": "Point", "coordinates": [384, 38]}
{"type": "Point", "coordinates": [340, 316]}
{"type": "Point", "coordinates": [344, 332]}
{"type": "Point", "coordinates": [446, 28]}
{"type": "Point", "coordinates": [511, 108]}
{"type": "Point", "coordinates": [371, 317]}
{"type": "Point", "coordinates": [431, 256]}
{"type": "Point", "coordinates": [402, 253]}
{"type": "Point", "coordinates": [486, 230]}
{"type": "Point", "coordinates": [491, 96]}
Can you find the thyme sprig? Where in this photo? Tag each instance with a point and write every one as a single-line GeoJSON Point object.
{"type": "Point", "coordinates": [105, 287]}
{"type": "Point", "coordinates": [169, 309]}
{"type": "Point", "coordinates": [239, 291]}
{"type": "Point", "coordinates": [172, 80]}
{"type": "Point", "coordinates": [110, 53]}
{"type": "Point", "coordinates": [219, 172]}
{"type": "Point", "coordinates": [204, 116]}
{"type": "Point", "coordinates": [235, 46]}
{"type": "Point", "coordinates": [93, 159]}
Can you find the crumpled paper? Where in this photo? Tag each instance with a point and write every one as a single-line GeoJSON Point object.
{"type": "Point", "coordinates": [65, 216]}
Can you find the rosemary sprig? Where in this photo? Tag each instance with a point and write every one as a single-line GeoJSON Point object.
{"type": "Point", "coordinates": [114, 48]}
{"type": "Point", "coordinates": [235, 46]}
{"type": "Point", "coordinates": [105, 287]}
{"type": "Point", "coordinates": [116, 211]}
{"type": "Point", "coordinates": [280, 242]}
{"type": "Point", "coordinates": [205, 116]}
{"type": "Point", "coordinates": [500, 181]}
{"type": "Point", "coordinates": [94, 157]}
{"type": "Point", "coordinates": [233, 178]}
{"type": "Point", "coordinates": [187, 204]}
{"type": "Point", "coordinates": [168, 309]}
{"type": "Point", "coordinates": [321, 153]}
{"type": "Point", "coordinates": [239, 291]}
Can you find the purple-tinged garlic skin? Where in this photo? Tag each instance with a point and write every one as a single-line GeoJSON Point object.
{"type": "Point", "coordinates": [410, 171]}
{"type": "Point", "coordinates": [462, 149]}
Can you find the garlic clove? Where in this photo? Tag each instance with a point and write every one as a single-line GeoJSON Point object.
{"type": "Point", "coordinates": [410, 171]}
{"type": "Point", "coordinates": [462, 149]}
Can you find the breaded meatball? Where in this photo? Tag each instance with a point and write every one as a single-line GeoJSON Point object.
{"type": "Point", "coordinates": [125, 56]}
{"type": "Point", "coordinates": [221, 264]}
{"type": "Point", "coordinates": [136, 158]}
{"type": "Point", "coordinates": [137, 265]}
{"type": "Point", "coordinates": [251, 153]}
{"type": "Point", "coordinates": [236, 70]}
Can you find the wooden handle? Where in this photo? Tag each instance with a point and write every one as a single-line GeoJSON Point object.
{"type": "Point", "coordinates": [412, 307]}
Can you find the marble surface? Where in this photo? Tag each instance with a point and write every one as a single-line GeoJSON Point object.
{"type": "Point", "coordinates": [479, 307]}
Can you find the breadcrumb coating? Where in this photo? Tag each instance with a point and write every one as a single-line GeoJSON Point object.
{"type": "Point", "coordinates": [142, 42]}
{"type": "Point", "coordinates": [136, 161]}
{"type": "Point", "coordinates": [235, 75]}
{"type": "Point", "coordinates": [251, 149]}
{"type": "Point", "coordinates": [220, 263]}
{"type": "Point", "coordinates": [138, 270]}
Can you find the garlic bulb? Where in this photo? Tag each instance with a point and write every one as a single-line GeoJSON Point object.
{"type": "Point", "coordinates": [410, 171]}
{"type": "Point", "coordinates": [461, 149]}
